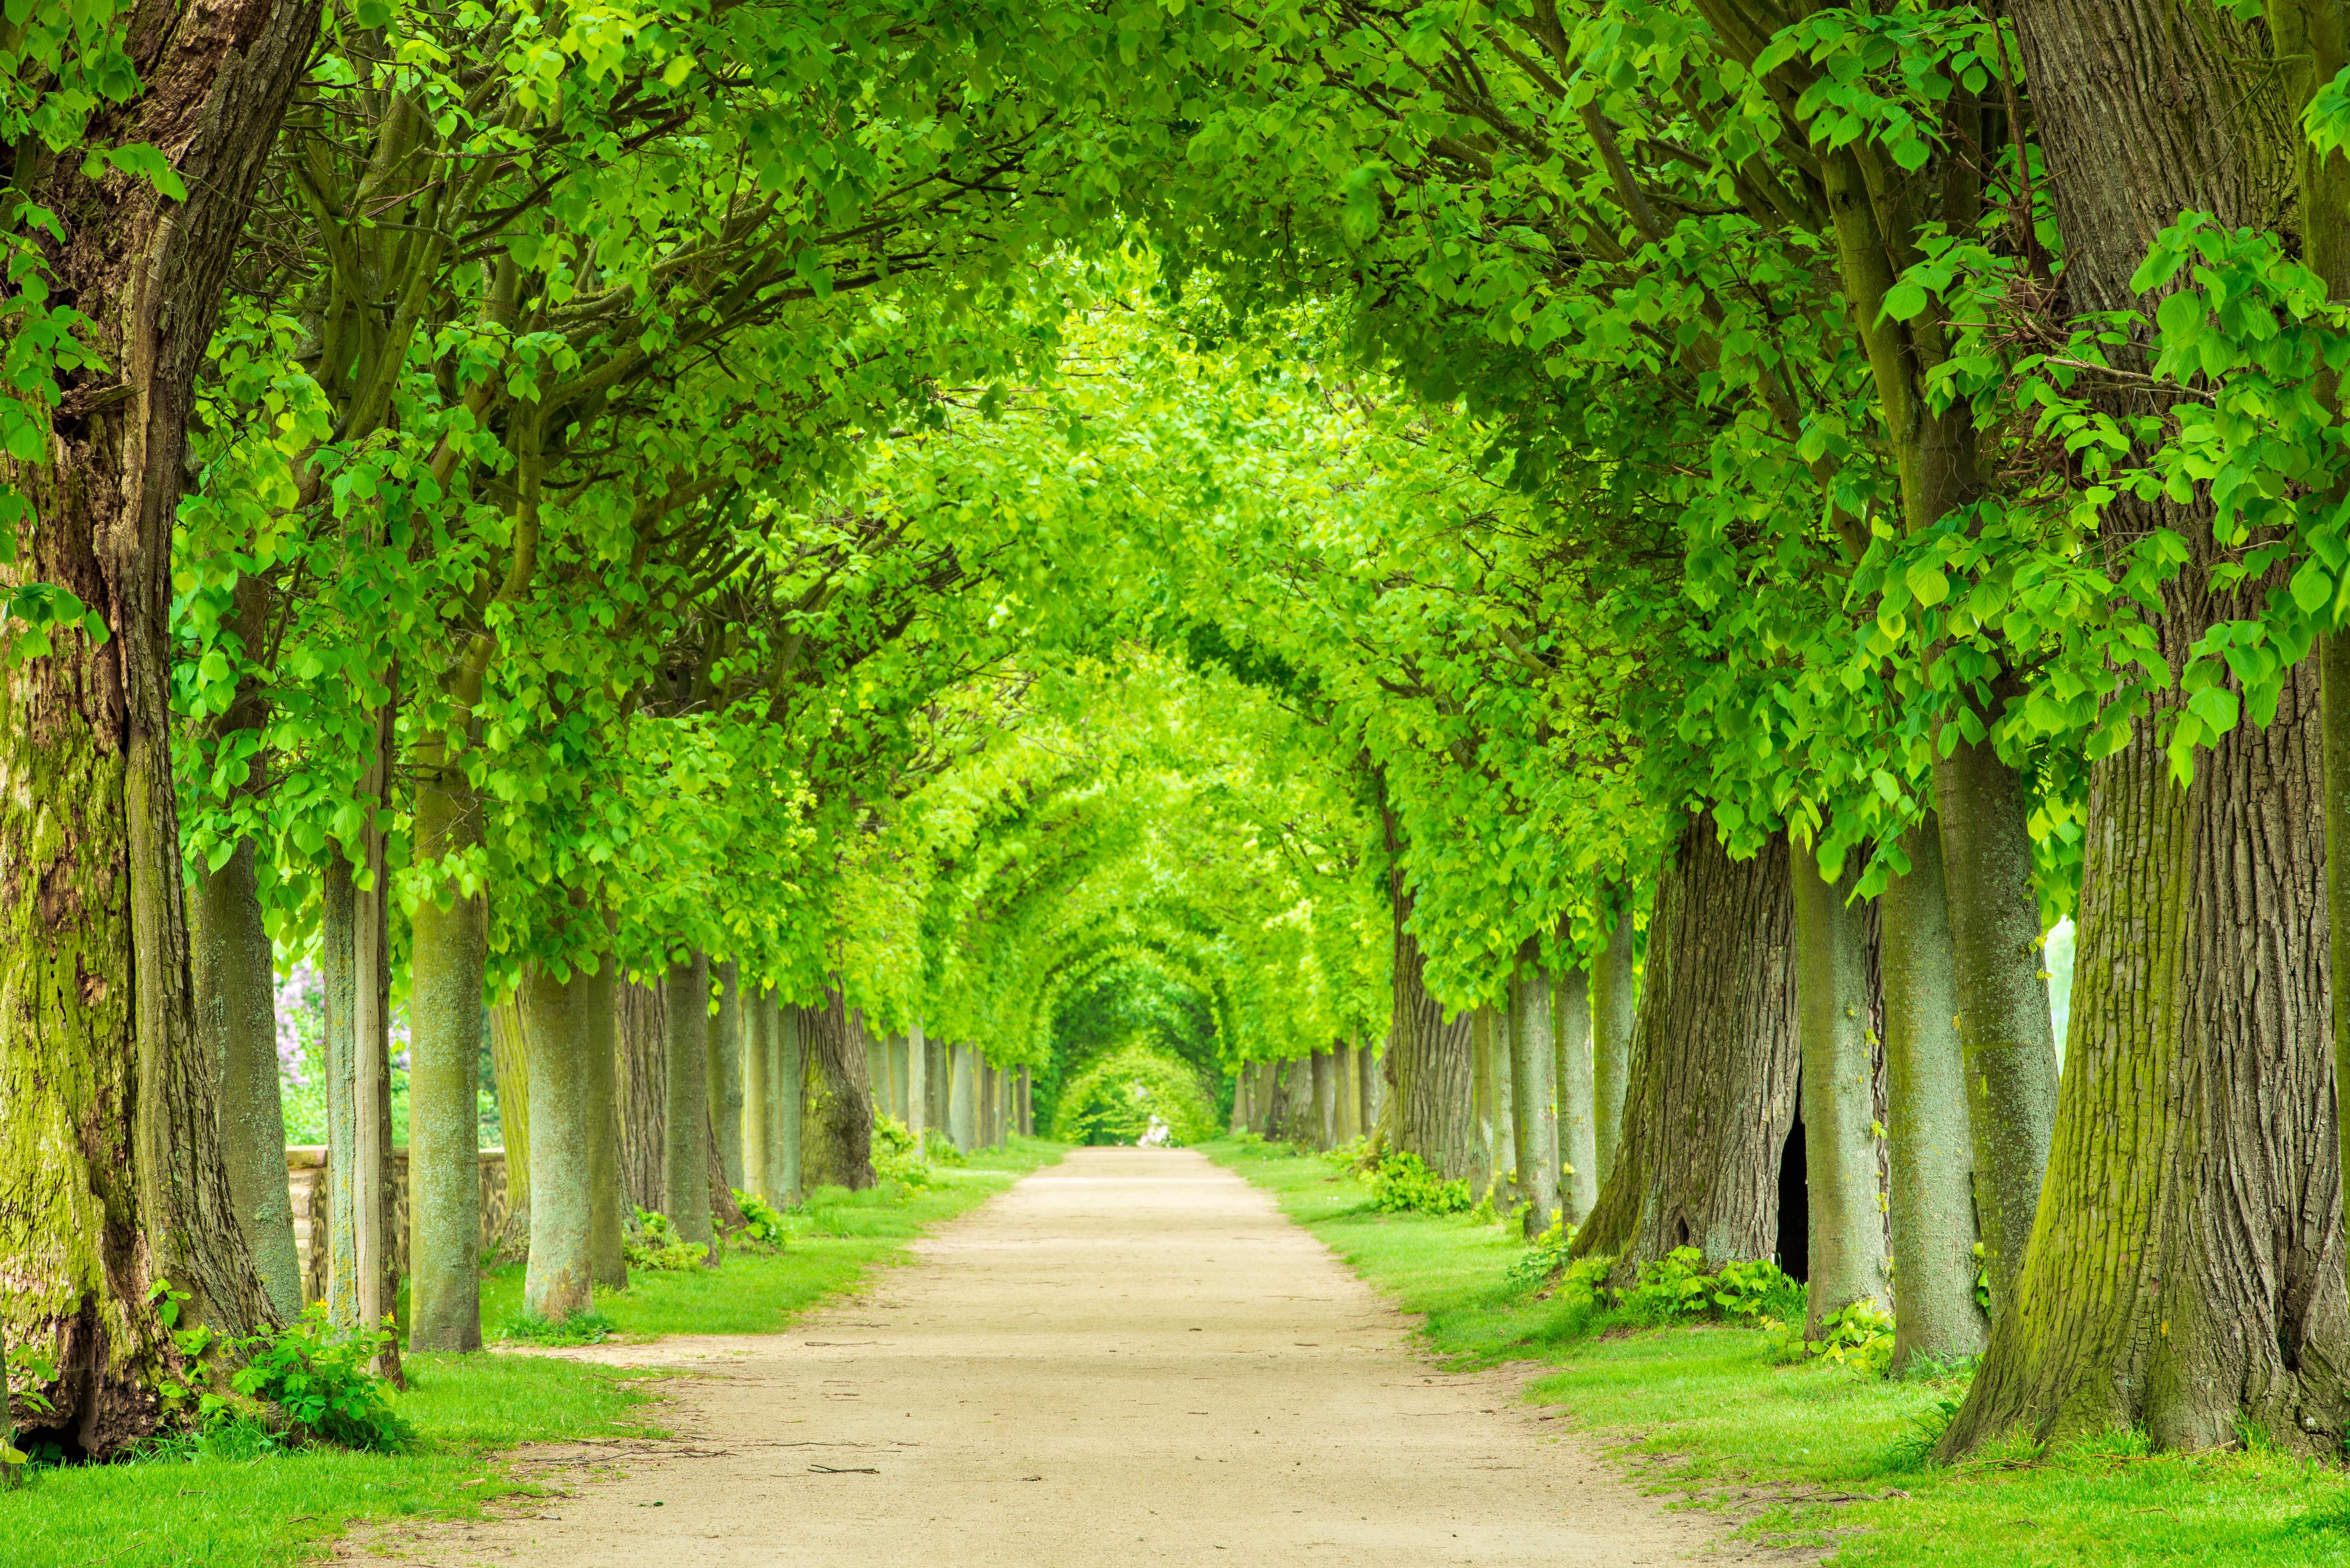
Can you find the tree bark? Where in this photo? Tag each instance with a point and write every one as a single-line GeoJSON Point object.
{"type": "Point", "coordinates": [962, 1103]}
{"type": "Point", "coordinates": [552, 1020]}
{"type": "Point", "coordinates": [1369, 1080]}
{"type": "Point", "coordinates": [1293, 1121]}
{"type": "Point", "coordinates": [1027, 1105]}
{"type": "Point", "coordinates": [510, 1070]}
{"type": "Point", "coordinates": [685, 1113]}
{"type": "Point", "coordinates": [1849, 1246]}
{"type": "Point", "coordinates": [837, 1133]}
{"type": "Point", "coordinates": [1715, 1059]}
{"type": "Point", "coordinates": [1489, 1169]}
{"type": "Point", "coordinates": [1931, 1200]}
{"type": "Point", "coordinates": [642, 1092]}
{"type": "Point", "coordinates": [788, 1141]}
{"type": "Point", "coordinates": [758, 1097]}
{"type": "Point", "coordinates": [2185, 1274]}
{"type": "Point", "coordinates": [237, 1017]}
{"type": "Point", "coordinates": [917, 1086]}
{"type": "Point", "coordinates": [607, 1214]}
{"type": "Point", "coordinates": [1614, 991]}
{"type": "Point", "coordinates": [726, 1074]}
{"type": "Point", "coordinates": [939, 1079]}
{"type": "Point", "coordinates": [1322, 1074]}
{"type": "Point", "coordinates": [1533, 1098]}
{"type": "Point", "coordinates": [1349, 1125]}
{"type": "Point", "coordinates": [1578, 1123]}
{"type": "Point", "coordinates": [107, 1088]}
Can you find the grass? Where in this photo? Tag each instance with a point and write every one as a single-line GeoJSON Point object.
{"type": "Point", "coordinates": [231, 1510]}
{"type": "Point", "coordinates": [1814, 1456]}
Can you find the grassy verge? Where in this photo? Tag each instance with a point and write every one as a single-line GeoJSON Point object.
{"type": "Point", "coordinates": [1830, 1457]}
{"type": "Point", "coordinates": [225, 1509]}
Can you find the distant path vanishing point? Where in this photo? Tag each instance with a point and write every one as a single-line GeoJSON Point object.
{"type": "Point", "coordinates": [1129, 1358]}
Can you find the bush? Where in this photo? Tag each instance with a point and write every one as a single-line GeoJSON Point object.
{"type": "Point", "coordinates": [1544, 1258]}
{"type": "Point", "coordinates": [1676, 1288]}
{"type": "Point", "coordinates": [1402, 1184]}
{"type": "Point", "coordinates": [1858, 1335]}
{"type": "Point", "coordinates": [587, 1327]}
{"type": "Point", "coordinates": [654, 1245]}
{"type": "Point", "coordinates": [764, 1223]}
{"type": "Point", "coordinates": [895, 1155]}
{"type": "Point", "coordinates": [1132, 1094]}
{"type": "Point", "coordinates": [322, 1384]}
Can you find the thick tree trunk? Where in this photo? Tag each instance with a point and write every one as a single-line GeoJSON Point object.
{"type": "Point", "coordinates": [2185, 1273]}
{"type": "Point", "coordinates": [1428, 1068]}
{"type": "Point", "coordinates": [788, 1141]}
{"type": "Point", "coordinates": [1321, 1076]}
{"type": "Point", "coordinates": [1350, 1124]}
{"type": "Point", "coordinates": [553, 1024]}
{"type": "Point", "coordinates": [1614, 991]}
{"type": "Point", "coordinates": [104, 1087]}
{"type": "Point", "coordinates": [1849, 1246]}
{"type": "Point", "coordinates": [1932, 1191]}
{"type": "Point", "coordinates": [608, 1213]}
{"type": "Point", "coordinates": [1715, 1058]}
{"type": "Point", "coordinates": [757, 1097]}
{"type": "Point", "coordinates": [938, 1077]}
{"type": "Point", "coordinates": [510, 1070]}
{"type": "Point", "coordinates": [837, 1133]}
{"type": "Point", "coordinates": [726, 1074]}
{"type": "Point", "coordinates": [444, 1080]}
{"type": "Point", "coordinates": [987, 1116]}
{"type": "Point", "coordinates": [642, 1092]}
{"type": "Point", "coordinates": [1293, 1121]}
{"type": "Point", "coordinates": [1368, 1082]}
{"type": "Point", "coordinates": [685, 1112]}
{"type": "Point", "coordinates": [1027, 1105]}
{"type": "Point", "coordinates": [962, 1103]}
{"type": "Point", "coordinates": [236, 1018]}
{"type": "Point", "coordinates": [1578, 1122]}
{"type": "Point", "coordinates": [1532, 1023]}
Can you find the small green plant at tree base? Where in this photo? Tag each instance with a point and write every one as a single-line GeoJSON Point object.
{"type": "Point", "coordinates": [656, 1245]}
{"type": "Point", "coordinates": [587, 1327]}
{"type": "Point", "coordinates": [321, 1381]}
{"type": "Point", "coordinates": [1401, 1183]}
{"type": "Point", "coordinates": [1356, 1154]}
{"type": "Point", "coordinates": [1858, 1335]}
{"type": "Point", "coordinates": [1547, 1256]}
{"type": "Point", "coordinates": [940, 1149]}
{"type": "Point", "coordinates": [763, 1225]}
{"type": "Point", "coordinates": [898, 1156]}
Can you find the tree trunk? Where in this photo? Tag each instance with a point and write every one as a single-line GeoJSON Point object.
{"type": "Point", "coordinates": [837, 1134]}
{"type": "Point", "coordinates": [106, 1087]}
{"type": "Point", "coordinates": [1323, 1074]}
{"type": "Point", "coordinates": [758, 1097]}
{"type": "Point", "coordinates": [1347, 1124]}
{"type": "Point", "coordinates": [987, 1116]}
{"type": "Point", "coordinates": [787, 1142]}
{"type": "Point", "coordinates": [1533, 1099]}
{"type": "Point", "coordinates": [1579, 1126]}
{"type": "Point", "coordinates": [1711, 1096]}
{"type": "Point", "coordinates": [1614, 991]}
{"type": "Point", "coordinates": [1931, 1195]}
{"type": "Point", "coordinates": [917, 1086]}
{"type": "Point", "coordinates": [685, 1112]}
{"type": "Point", "coordinates": [236, 1018]}
{"type": "Point", "coordinates": [938, 1075]}
{"type": "Point", "coordinates": [607, 1215]}
{"type": "Point", "coordinates": [642, 1092]}
{"type": "Point", "coordinates": [726, 1075]}
{"type": "Point", "coordinates": [552, 1025]}
{"type": "Point", "coordinates": [2185, 1274]}
{"type": "Point", "coordinates": [1027, 1105]}
{"type": "Point", "coordinates": [1368, 1081]}
{"type": "Point", "coordinates": [1294, 1119]}
{"type": "Point", "coordinates": [1849, 1246]}
{"type": "Point", "coordinates": [510, 1070]}
{"type": "Point", "coordinates": [962, 1102]}
{"type": "Point", "coordinates": [1486, 1167]}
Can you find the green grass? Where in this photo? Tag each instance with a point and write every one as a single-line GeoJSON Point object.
{"type": "Point", "coordinates": [225, 1512]}
{"type": "Point", "coordinates": [1812, 1455]}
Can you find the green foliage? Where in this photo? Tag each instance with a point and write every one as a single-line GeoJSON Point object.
{"type": "Point", "coordinates": [654, 1244]}
{"type": "Point", "coordinates": [1545, 1257]}
{"type": "Point", "coordinates": [764, 1224]}
{"type": "Point", "coordinates": [1401, 1183]}
{"type": "Point", "coordinates": [1858, 1335]}
{"type": "Point", "coordinates": [1676, 1288]}
{"type": "Point", "coordinates": [584, 1327]}
{"type": "Point", "coordinates": [321, 1381]}
{"type": "Point", "coordinates": [1132, 1094]}
{"type": "Point", "coordinates": [896, 1156]}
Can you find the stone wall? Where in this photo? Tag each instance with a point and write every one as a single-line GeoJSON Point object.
{"type": "Point", "coordinates": [306, 1175]}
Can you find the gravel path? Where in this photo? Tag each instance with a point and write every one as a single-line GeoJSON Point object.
{"type": "Point", "coordinates": [1129, 1358]}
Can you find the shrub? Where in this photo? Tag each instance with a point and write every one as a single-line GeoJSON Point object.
{"type": "Point", "coordinates": [1401, 1183]}
{"type": "Point", "coordinates": [587, 1327]}
{"type": "Point", "coordinates": [655, 1245]}
{"type": "Point", "coordinates": [1545, 1257]}
{"type": "Point", "coordinates": [1858, 1335]}
{"type": "Point", "coordinates": [1132, 1094]}
{"type": "Point", "coordinates": [896, 1156]}
{"type": "Point", "coordinates": [764, 1223]}
{"type": "Point", "coordinates": [321, 1382]}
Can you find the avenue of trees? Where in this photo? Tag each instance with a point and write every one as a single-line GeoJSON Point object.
{"type": "Point", "coordinates": [1589, 583]}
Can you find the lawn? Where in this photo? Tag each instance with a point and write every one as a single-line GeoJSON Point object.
{"type": "Point", "coordinates": [239, 1509]}
{"type": "Point", "coordinates": [1814, 1455]}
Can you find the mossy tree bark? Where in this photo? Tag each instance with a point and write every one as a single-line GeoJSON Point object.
{"type": "Point", "coordinates": [837, 1148]}
{"type": "Point", "coordinates": [444, 1086]}
{"type": "Point", "coordinates": [1931, 1195]}
{"type": "Point", "coordinates": [1849, 1246]}
{"type": "Point", "coordinates": [2185, 1273]}
{"type": "Point", "coordinates": [236, 1020]}
{"type": "Point", "coordinates": [1530, 1024]}
{"type": "Point", "coordinates": [1715, 1059]}
{"type": "Point", "coordinates": [685, 1113]}
{"type": "Point", "coordinates": [787, 1141]}
{"type": "Point", "coordinates": [726, 1073]}
{"type": "Point", "coordinates": [1487, 1168]}
{"type": "Point", "coordinates": [554, 1022]}
{"type": "Point", "coordinates": [642, 1091]}
{"type": "Point", "coordinates": [607, 1214]}
{"type": "Point", "coordinates": [1614, 991]}
{"type": "Point", "coordinates": [1578, 1122]}
{"type": "Point", "coordinates": [114, 1182]}
{"type": "Point", "coordinates": [1350, 1109]}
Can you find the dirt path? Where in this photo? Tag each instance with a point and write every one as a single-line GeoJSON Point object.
{"type": "Point", "coordinates": [1129, 1358]}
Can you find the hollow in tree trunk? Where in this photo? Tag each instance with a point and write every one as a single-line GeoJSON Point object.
{"type": "Point", "coordinates": [1715, 1059]}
